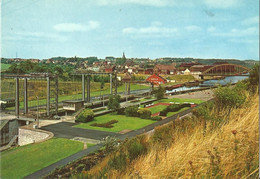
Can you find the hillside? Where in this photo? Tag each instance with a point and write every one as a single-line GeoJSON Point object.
{"type": "Point", "coordinates": [191, 148]}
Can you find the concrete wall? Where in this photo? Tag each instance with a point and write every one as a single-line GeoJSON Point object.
{"type": "Point", "coordinates": [28, 136]}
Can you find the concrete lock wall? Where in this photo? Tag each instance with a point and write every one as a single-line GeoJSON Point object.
{"type": "Point", "coordinates": [27, 136]}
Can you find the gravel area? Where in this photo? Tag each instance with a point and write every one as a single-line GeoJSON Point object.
{"type": "Point", "coordinates": [203, 95]}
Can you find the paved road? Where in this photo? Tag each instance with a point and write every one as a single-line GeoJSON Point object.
{"type": "Point", "coordinates": [66, 130]}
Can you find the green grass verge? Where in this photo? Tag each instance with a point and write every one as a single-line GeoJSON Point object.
{"type": "Point", "coordinates": [124, 122]}
{"type": "Point", "coordinates": [4, 66]}
{"type": "Point", "coordinates": [21, 161]}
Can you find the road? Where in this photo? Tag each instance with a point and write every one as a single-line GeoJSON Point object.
{"type": "Point", "coordinates": [66, 130]}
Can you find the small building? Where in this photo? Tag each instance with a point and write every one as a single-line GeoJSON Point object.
{"type": "Point", "coordinates": [127, 78]}
{"type": "Point", "coordinates": [187, 72]}
{"type": "Point", "coordinates": [156, 79]}
{"type": "Point", "coordinates": [9, 132]}
{"type": "Point", "coordinates": [148, 71]}
{"type": "Point", "coordinates": [73, 105]}
{"type": "Point", "coordinates": [165, 69]}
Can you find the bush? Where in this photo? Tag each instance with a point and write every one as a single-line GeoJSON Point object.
{"type": "Point", "coordinates": [114, 102]}
{"type": "Point", "coordinates": [144, 113]}
{"type": "Point", "coordinates": [121, 111]}
{"type": "Point", "coordinates": [118, 162]}
{"type": "Point", "coordinates": [131, 111]}
{"type": "Point", "coordinates": [156, 118]}
{"type": "Point", "coordinates": [162, 135]}
{"type": "Point", "coordinates": [110, 144]}
{"type": "Point", "coordinates": [135, 149]}
{"type": "Point", "coordinates": [86, 115]}
{"type": "Point", "coordinates": [105, 125]}
{"type": "Point", "coordinates": [164, 112]}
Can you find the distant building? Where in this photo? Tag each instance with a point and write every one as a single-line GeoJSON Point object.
{"type": "Point", "coordinates": [165, 69]}
{"type": "Point", "coordinates": [148, 71]}
{"type": "Point", "coordinates": [185, 66]}
{"type": "Point", "coordinates": [187, 72]}
{"type": "Point", "coordinates": [156, 79]}
{"type": "Point", "coordinates": [110, 69]}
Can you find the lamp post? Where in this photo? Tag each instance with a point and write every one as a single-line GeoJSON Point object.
{"type": "Point", "coordinates": [37, 120]}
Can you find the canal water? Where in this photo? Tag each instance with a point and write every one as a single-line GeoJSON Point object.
{"type": "Point", "coordinates": [209, 83]}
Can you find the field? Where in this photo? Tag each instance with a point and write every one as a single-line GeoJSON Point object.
{"type": "Point", "coordinates": [4, 66]}
{"type": "Point", "coordinates": [22, 161]}
{"type": "Point", "coordinates": [124, 122]}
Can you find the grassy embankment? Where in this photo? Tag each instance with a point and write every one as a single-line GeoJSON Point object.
{"type": "Point", "coordinates": [214, 144]}
{"type": "Point", "coordinates": [21, 161]}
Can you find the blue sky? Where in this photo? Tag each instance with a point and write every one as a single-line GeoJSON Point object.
{"type": "Point", "coordinates": [140, 28]}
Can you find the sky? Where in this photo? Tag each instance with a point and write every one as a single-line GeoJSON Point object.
{"type": "Point", "coordinates": [140, 28]}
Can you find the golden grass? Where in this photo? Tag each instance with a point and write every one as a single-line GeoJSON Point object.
{"type": "Point", "coordinates": [230, 151]}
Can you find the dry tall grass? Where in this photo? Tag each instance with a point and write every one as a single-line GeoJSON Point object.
{"type": "Point", "coordinates": [230, 151]}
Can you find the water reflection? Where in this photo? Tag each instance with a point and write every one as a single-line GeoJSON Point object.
{"type": "Point", "coordinates": [229, 79]}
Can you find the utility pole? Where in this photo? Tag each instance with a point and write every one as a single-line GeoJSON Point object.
{"type": "Point", "coordinates": [37, 119]}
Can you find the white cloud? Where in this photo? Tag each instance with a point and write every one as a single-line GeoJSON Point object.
{"type": "Point", "coordinates": [156, 29]}
{"type": "Point", "coordinates": [72, 27]}
{"type": "Point", "coordinates": [157, 3]}
{"type": "Point", "coordinates": [251, 31]}
{"type": "Point", "coordinates": [21, 35]}
{"type": "Point", "coordinates": [222, 3]}
{"type": "Point", "coordinates": [193, 28]}
{"type": "Point", "coordinates": [211, 29]}
{"type": "Point", "coordinates": [251, 21]}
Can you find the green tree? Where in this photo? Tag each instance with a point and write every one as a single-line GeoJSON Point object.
{"type": "Point", "coordinates": [86, 115]}
{"type": "Point", "coordinates": [254, 75]}
{"type": "Point", "coordinates": [159, 93]}
{"type": "Point", "coordinates": [114, 102]}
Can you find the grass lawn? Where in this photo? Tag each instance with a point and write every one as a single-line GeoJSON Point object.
{"type": "Point", "coordinates": [22, 161]}
{"type": "Point", "coordinates": [180, 100]}
{"type": "Point", "coordinates": [124, 122]}
{"type": "Point", "coordinates": [157, 108]}
{"type": "Point", "coordinates": [4, 66]}
{"type": "Point", "coordinates": [169, 114]}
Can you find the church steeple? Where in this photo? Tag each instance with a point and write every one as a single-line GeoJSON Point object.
{"type": "Point", "coordinates": [123, 55]}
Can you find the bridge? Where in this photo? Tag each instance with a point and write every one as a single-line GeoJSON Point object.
{"type": "Point", "coordinates": [226, 70]}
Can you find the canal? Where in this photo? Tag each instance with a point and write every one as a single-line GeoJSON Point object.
{"type": "Point", "coordinates": [209, 83]}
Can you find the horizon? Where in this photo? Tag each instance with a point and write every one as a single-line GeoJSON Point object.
{"type": "Point", "coordinates": [204, 29]}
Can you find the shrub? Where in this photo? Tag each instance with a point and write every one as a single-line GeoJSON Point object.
{"type": "Point", "coordinates": [110, 144]}
{"type": "Point", "coordinates": [164, 112]}
{"type": "Point", "coordinates": [135, 149]}
{"type": "Point", "coordinates": [162, 135]}
{"type": "Point", "coordinates": [118, 162]}
{"type": "Point", "coordinates": [156, 118]}
{"type": "Point", "coordinates": [114, 102]}
{"type": "Point", "coordinates": [86, 115]}
{"type": "Point", "coordinates": [131, 111]}
{"type": "Point", "coordinates": [144, 113]}
{"type": "Point", "coordinates": [159, 93]}
{"type": "Point", "coordinates": [105, 125]}
{"type": "Point", "coordinates": [121, 111]}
